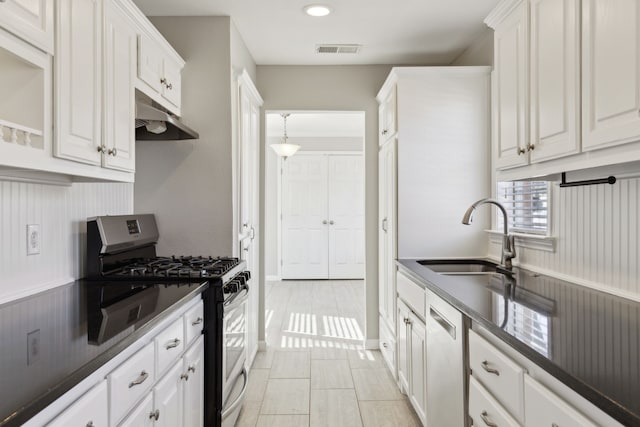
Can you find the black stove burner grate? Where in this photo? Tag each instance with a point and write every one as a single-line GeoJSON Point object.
{"type": "Point", "coordinates": [175, 267]}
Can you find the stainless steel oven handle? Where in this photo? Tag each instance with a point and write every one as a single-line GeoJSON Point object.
{"type": "Point", "coordinates": [237, 301]}
{"type": "Point", "coordinates": [232, 407]}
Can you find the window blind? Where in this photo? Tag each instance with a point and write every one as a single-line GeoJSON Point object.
{"type": "Point", "coordinates": [527, 205]}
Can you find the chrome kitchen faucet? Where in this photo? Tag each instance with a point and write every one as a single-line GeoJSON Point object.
{"type": "Point", "coordinates": [508, 243]}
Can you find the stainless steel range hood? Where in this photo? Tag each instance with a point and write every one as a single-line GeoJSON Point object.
{"type": "Point", "coordinates": [155, 124]}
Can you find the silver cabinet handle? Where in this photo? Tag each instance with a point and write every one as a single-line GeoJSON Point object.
{"type": "Point", "coordinates": [531, 147]}
{"type": "Point", "coordinates": [113, 152]}
{"type": "Point", "coordinates": [170, 86]}
{"type": "Point", "coordinates": [384, 132]}
{"type": "Point", "coordinates": [487, 420]}
{"type": "Point", "coordinates": [90, 423]}
{"type": "Point", "coordinates": [173, 344]}
{"type": "Point", "coordinates": [191, 368]}
{"type": "Point", "coordinates": [141, 378]}
{"type": "Point", "coordinates": [325, 222]}
{"type": "Point", "coordinates": [485, 366]}
{"type": "Point", "coordinates": [184, 377]}
{"type": "Point", "coordinates": [163, 81]}
{"type": "Point", "coordinates": [101, 149]}
{"type": "Point", "coordinates": [384, 225]}
{"type": "Point", "coordinates": [385, 345]}
{"type": "Point", "coordinates": [331, 222]}
{"type": "Point", "coordinates": [521, 151]}
{"type": "Point", "coordinates": [154, 415]}
{"type": "Point", "coordinates": [407, 321]}
{"type": "Point", "coordinates": [197, 321]}
{"type": "Point", "coordinates": [252, 233]}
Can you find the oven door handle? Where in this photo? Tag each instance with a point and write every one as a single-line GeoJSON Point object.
{"type": "Point", "coordinates": [232, 407]}
{"type": "Point", "coordinates": [237, 301]}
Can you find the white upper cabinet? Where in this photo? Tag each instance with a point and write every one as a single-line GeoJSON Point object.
{"type": "Point", "coordinates": [554, 78]}
{"type": "Point", "coordinates": [119, 84]}
{"type": "Point", "coordinates": [510, 107]}
{"type": "Point", "coordinates": [159, 72]}
{"type": "Point", "coordinates": [78, 81]}
{"type": "Point", "coordinates": [31, 20]}
{"type": "Point", "coordinates": [611, 72]}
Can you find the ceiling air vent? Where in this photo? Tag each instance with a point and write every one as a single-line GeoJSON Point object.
{"type": "Point", "coordinates": [338, 48]}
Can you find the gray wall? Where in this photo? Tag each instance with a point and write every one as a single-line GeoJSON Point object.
{"type": "Point", "coordinates": [334, 88]}
{"type": "Point", "coordinates": [197, 175]}
{"type": "Point", "coordinates": [480, 52]}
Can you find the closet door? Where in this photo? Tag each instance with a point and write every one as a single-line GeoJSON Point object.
{"type": "Point", "coordinates": [346, 216]}
{"type": "Point", "coordinates": [304, 217]}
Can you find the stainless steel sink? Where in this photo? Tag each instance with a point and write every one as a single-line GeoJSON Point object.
{"type": "Point", "coordinates": [460, 266]}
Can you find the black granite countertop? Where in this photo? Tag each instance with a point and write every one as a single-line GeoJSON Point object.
{"type": "Point", "coordinates": [64, 355]}
{"type": "Point", "coordinates": [587, 339]}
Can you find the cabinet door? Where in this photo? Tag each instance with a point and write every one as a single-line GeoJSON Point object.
{"type": "Point", "coordinates": [418, 386]}
{"type": "Point", "coordinates": [510, 89]}
{"type": "Point", "coordinates": [78, 71]}
{"type": "Point", "coordinates": [610, 72]}
{"type": "Point", "coordinates": [404, 350]}
{"type": "Point", "coordinates": [193, 402]}
{"type": "Point", "coordinates": [388, 115]}
{"type": "Point", "coordinates": [544, 408]}
{"type": "Point", "coordinates": [90, 409]}
{"type": "Point", "coordinates": [172, 88]}
{"type": "Point", "coordinates": [387, 251]}
{"type": "Point", "coordinates": [346, 216]}
{"type": "Point", "coordinates": [31, 20]}
{"type": "Point", "coordinates": [555, 79]}
{"type": "Point", "coordinates": [119, 83]}
{"type": "Point", "coordinates": [167, 398]}
{"type": "Point", "coordinates": [142, 415]}
{"type": "Point", "coordinates": [150, 63]}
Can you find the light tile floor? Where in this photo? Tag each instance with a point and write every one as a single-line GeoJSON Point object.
{"type": "Point", "coordinates": [315, 371]}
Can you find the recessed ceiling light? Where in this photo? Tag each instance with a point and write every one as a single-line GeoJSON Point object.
{"type": "Point", "coordinates": [317, 10]}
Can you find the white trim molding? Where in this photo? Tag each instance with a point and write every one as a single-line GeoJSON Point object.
{"type": "Point", "coordinates": [501, 11]}
{"type": "Point", "coordinates": [530, 241]}
{"type": "Point", "coordinates": [372, 344]}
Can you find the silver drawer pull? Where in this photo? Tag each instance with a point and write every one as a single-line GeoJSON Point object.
{"type": "Point", "coordinates": [191, 368]}
{"type": "Point", "coordinates": [197, 321]}
{"type": "Point", "coordinates": [142, 378]}
{"type": "Point", "coordinates": [487, 420]}
{"type": "Point", "coordinates": [173, 344]}
{"type": "Point", "coordinates": [154, 415]}
{"type": "Point", "coordinates": [485, 366]}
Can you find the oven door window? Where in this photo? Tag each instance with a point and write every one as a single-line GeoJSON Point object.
{"type": "Point", "coordinates": [235, 337]}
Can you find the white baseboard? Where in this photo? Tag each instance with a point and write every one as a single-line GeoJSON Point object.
{"type": "Point", "coordinates": [372, 344]}
{"type": "Point", "coordinates": [273, 278]}
{"type": "Point", "coordinates": [262, 346]}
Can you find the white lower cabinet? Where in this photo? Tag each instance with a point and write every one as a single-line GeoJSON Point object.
{"type": "Point", "coordinates": [89, 410]}
{"type": "Point", "coordinates": [545, 408]}
{"type": "Point", "coordinates": [141, 416]}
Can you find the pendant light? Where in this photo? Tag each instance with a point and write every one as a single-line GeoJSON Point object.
{"type": "Point", "coordinates": [284, 149]}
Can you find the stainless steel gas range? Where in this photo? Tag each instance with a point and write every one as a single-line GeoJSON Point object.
{"type": "Point", "coordinates": [122, 260]}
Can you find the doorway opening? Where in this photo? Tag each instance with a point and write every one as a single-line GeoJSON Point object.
{"type": "Point", "coordinates": [314, 232]}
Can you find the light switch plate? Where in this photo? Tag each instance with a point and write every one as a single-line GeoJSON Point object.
{"type": "Point", "coordinates": [33, 239]}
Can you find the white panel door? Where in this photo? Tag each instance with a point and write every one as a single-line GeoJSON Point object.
{"type": "Point", "coordinates": [31, 20]}
{"type": "Point", "coordinates": [346, 216]}
{"type": "Point", "coordinates": [610, 72]}
{"type": "Point", "coordinates": [78, 81]}
{"type": "Point", "coordinates": [167, 398]}
{"type": "Point", "coordinates": [555, 79]}
{"type": "Point", "coordinates": [119, 82]}
{"type": "Point", "coordinates": [305, 235]}
{"type": "Point", "coordinates": [510, 89]}
{"type": "Point", "coordinates": [172, 88]}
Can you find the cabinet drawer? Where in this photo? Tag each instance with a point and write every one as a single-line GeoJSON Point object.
{"type": "Point", "coordinates": [412, 294]}
{"type": "Point", "coordinates": [485, 410]}
{"type": "Point", "coordinates": [503, 378]}
{"type": "Point", "coordinates": [193, 323]}
{"type": "Point", "coordinates": [169, 345]}
{"type": "Point", "coordinates": [129, 381]}
{"type": "Point", "coordinates": [90, 409]}
{"type": "Point", "coordinates": [388, 347]}
{"type": "Point", "coordinates": [544, 408]}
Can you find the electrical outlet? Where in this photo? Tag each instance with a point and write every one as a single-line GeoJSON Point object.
{"type": "Point", "coordinates": [33, 347]}
{"type": "Point", "coordinates": [33, 239]}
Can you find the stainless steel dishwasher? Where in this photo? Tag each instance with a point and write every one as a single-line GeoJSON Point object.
{"type": "Point", "coordinates": [446, 368]}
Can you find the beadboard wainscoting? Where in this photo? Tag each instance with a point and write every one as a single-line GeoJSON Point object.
{"type": "Point", "coordinates": [61, 212]}
{"type": "Point", "coordinates": [597, 229]}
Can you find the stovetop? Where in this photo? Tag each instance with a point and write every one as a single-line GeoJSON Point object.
{"type": "Point", "coordinates": [171, 269]}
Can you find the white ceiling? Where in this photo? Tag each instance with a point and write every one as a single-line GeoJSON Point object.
{"type": "Point", "coordinates": [317, 124]}
{"type": "Point", "coordinates": [398, 32]}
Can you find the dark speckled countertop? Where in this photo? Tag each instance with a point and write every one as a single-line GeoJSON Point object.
{"type": "Point", "coordinates": [64, 355]}
{"type": "Point", "coordinates": [587, 339]}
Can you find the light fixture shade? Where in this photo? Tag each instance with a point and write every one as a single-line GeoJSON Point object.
{"type": "Point", "coordinates": [285, 149]}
